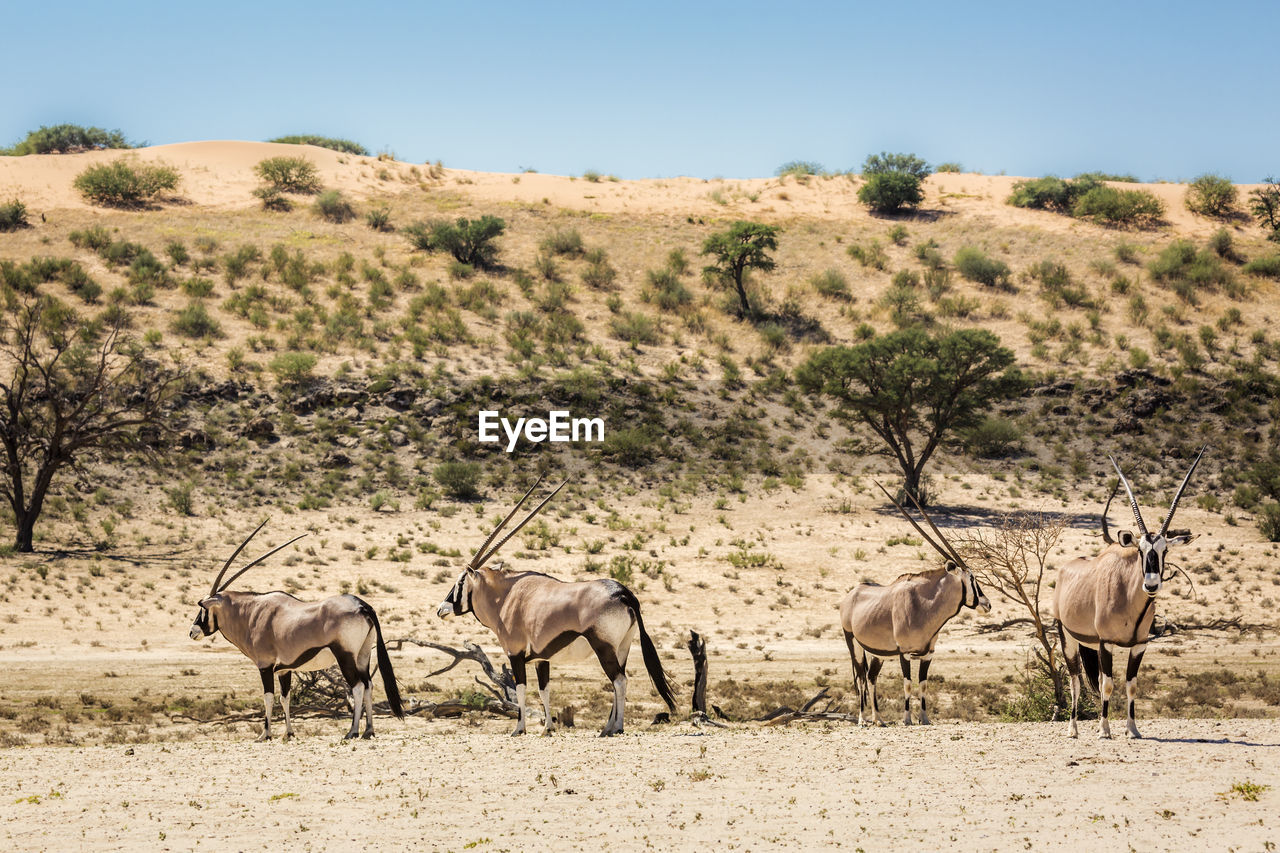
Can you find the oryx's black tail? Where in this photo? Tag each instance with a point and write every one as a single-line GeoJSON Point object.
{"type": "Point", "coordinates": [1089, 657]}
{"type": "Point", "coordinates": [652, 662]}
{"type": "Point", "coordinates": [384, 663]}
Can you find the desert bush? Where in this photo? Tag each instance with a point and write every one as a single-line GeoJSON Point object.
{"type": "Point", "coordinates": [346, 146]}
{"type": "Point", "coordinates": [975, 265]}
{"type": "Point", "coordinates": [194, 321]}
{"type": "Point", "coordinates": [95, 238]}
{"type": "Point", "coordinates": [1268, 266]}
{"type": "Point", "coordinates": [197, 288]}
{"type": "Point", "coordinates": [379, 219]}
{"type": "Point", "coordinates": [950, 166]}
{"type": "Point", "coordinates": [273, 199]}
{"type": "Point", "coordinates": [872, 255]}
{"type": "Point", "coordinates": [292, 368]}
{"type": "Point", "coordinates": [1269, 521]}
{"type": "Point", "coordinates": [1057, 285]}
{"type": "Point", "coordinates": [1047, 193]}
{"type": "Point", "coordinates": [799, 169]}
{"type": "Point", "coordinates": [67, 139]}
{"type": "Point", "coordinates": [1111, 206]}
{"type": "Point", "coordinates": [635, 328]}
{"type": "Point", "coordinates": [126, 182]}
{"type": "Point", "coordinates": [334, 207]}
{"type": "Point", "coordinates": [665, 289]}
{"type": "Point", "coordinates": [599, 275]}
{"type": "Point", "coordinates": [831, 283]}
{"type": "Point", "coordinates": [1211, 195]}
{"type": "Point", "coordinates": [885, 163]}
{"type": "Point", "coordinates": [1187, 271]}
{"type": "Point", "coordinates": [1223, 245]}
{"type": "Point", "coordinates": [563, 241]}
{"type": "Point", "coordinates": [890, 192]}
{"type": "Point", "coordinates": [471, 242]}
{"type": "Point", "coordinates": [13, 215]}
{"type": "Point", "coordinates": [993, 438]}
{"type": "Point", "coordinates": [289, 174]}
{"type": "Point", "coordinates": [460, 480]}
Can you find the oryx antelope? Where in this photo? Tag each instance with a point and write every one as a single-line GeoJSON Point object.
{"type": "Point", "coordinates": [283, 635]}
{"type": "Point", "coordinates": [539, 619]}
{"type": "Point", "coordinates": [1108, 601]}
{"type": "Point", "coordinates": [903, 619]}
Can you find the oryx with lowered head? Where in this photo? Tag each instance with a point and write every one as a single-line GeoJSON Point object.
{"type": "Point", "coordinates": [902, 620]}
{"type": "Point", "coordinates": [539, 619]}
{"type": "Point", "coordinates": [283, 635]}
{"type": "Point", "coordinates": [1106, 602]}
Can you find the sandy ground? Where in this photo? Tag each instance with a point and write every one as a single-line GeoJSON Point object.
{"type": "Point", "coordinates": [442, 786]}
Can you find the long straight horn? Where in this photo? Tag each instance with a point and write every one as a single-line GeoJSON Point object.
{"type": "Point", "coordinates": [1164, 528]}
{"type": "Point", "coordinates": [259, 560]}
{"type": "Point", "coordinates": [214, 589]}
{"type": "Point", "coordinates": [476, 562]}
{"type": "Point", "coordinates": [945, 554]}
{"type": "Point", "coordinates": [934, 527]}
{"type": "Point", "coordinates": [1133, 502]}
{"type": "Point", "coordinates": [1106, 510]}
{"type": "Point", "coordinates": [516, 529]}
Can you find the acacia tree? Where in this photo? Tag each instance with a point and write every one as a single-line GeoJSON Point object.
{"type": "Point", "coordinates": [1264, 204]}
{"type": "Point", "coordinates": [69, 389]}
{"type": "Point", "coordinates": [913, 389]}
{"type": "Point", "coordinates": [745, 246]}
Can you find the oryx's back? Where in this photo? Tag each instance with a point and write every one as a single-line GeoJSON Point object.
{"type": "Point", "coordinates": [539, 609]}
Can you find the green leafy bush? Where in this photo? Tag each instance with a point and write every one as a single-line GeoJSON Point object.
{"type": "Point", "coordinates": [885, 163]}
{"type": "Point", "coordinates": [1264, 204]}
{"type": "Point", "coordinates": [292, 368]}
{"type": "Point", "coordinates": [126, 182]}
{"type": "Point", "coordinates": [1187, 271]}
{"type": "Point", "coordinates": [665, 289]}
{"type": "Point", "coordinates": [831, 283]}
{"type": "Point", "coordinates": [1111, 206]}
{"type": "Point", "coordinates": [460, 480]}
{"type": "Point", "coordinates": [273, 199]}
{"type": "Point", "coordinates": [67, 139]}
{"type": "Point", "coordinates": [1047, 193]}
{"type": "Point", "coordinates": [13, 215]}
{"type": "Point", "coordinates": [379, 219]}
{"type": "Point", "coordinates": [890, 192]}
{"type": "Point", "coordinates": [799, 169]}
{"type": "Point", "coordinates": [471, 242]}
{"type": "Point", "coordinates": [95, 238]}
{"type": "Point", "coordinates": [994, 438]}
{"type": "Point", "coordinates": [194, 321]}
{"type": "Point", "coordinates": [289, 174]}
{"type": "Point", "coordinates": [976, 265]}
{"type": "Point", "coordinates": [563, 241]}
{"type": "Point", "coordinates": [950, 166]}
{"type": "Point", "coordinates": [346, 146]}
{"type": "Point", "coordinates": [334, 207]}
{"type": "Point", "coordinates": [1211, 195]}
{"type": "Point", "coordinates": [1268, 266]}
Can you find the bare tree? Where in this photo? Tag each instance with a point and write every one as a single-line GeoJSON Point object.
{"type": "Point", "coordinates": [70, 389]}
{"type": "Point", "coordinates": [1012, 557]}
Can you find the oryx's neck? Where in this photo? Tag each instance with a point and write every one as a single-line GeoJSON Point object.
{"type": "Point", "coordinates": [946, 597]}
{"type": "Point", "coordinates": [488, 593]}
{"type": "Point", "coordinates": [233, 618]}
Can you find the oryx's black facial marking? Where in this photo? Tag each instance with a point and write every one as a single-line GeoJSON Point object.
{"type": "Point", "coordinates": [459, 597]}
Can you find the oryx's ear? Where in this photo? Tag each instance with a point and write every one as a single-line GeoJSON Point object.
{"type": "Point", "coordinates": [213, 599]}
{"type": "Point", "coordinates": [1125, 538]}
{"type": "Point", "coordinates": [1182, 538]}
{"type": "Point", "coordinates": [951, 565]}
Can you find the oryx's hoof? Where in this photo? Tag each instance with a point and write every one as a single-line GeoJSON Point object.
{"type": "Point", "coordinates": [924, 721]}
{"type": "Point", "coordinates": [517, 733]}
{"type": "Point", "coordinates": [288, 736]}
{"type": "Point", "coordinates": [262, 738]}
{"type": "Point", "coordinates": [1104, 735]}
{"type": "Point", "coordinates": [1072, 730]}
{"type": "Point", "coordinates": [351, 736]}
{"type": "Point", "coordinates": [368, 735]}
{"type": "Point", "coordinates": [1132, 733]}
{"type": "Point", "coordinates": [546, 733]}
{"type": "Point", "coordinates": [906, 721]}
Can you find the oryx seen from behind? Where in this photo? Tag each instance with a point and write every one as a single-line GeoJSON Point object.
{"type": "Point", "coordinates": [539, 619]}
{"type": "Point", "coordinates": [1106, 602]}
{"type": "Point", "coordinates": [283, 635]}
{"type": "Point", "coordinates": [902, 620]}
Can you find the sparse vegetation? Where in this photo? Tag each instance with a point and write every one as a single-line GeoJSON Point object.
{"type": "Point", "coordinates": [346, 146]}
{"type": "Point", "coordinates": [1211, 195]}
{"type": "Point", "coordinates": [289, 175]}
{"type": "Point", "coordinates": [67, 139]}
{"type": "Point", "coordinates": [333, 206]}
{"type": "Point", "coordinates": [975, 265]}
{"type": "Point", "coordinates": [738, 251]}
{"type": "Point", "coordinates": [13, 215]}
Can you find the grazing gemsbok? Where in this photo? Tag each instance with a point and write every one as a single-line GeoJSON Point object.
{"type": "Point", "coordinates": [539, 619]}
{"type": "Point", "coordinates": [903, 619]}
{"type": "Point", "coordinates": [1108, 601]}
{"type": "Point", "coordinates": [283, 635]}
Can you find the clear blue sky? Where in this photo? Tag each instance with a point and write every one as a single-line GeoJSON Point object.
{"type": "Point", "coordinates": [1160, 89]}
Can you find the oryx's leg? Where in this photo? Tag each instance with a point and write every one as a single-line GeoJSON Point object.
{"type": "Point", "coordinates": [355, 684]}
{"type": "Point", "coordinates": [368, 707]}
{"type": "Point", "coordinates": [286, 680]}
{"type": "Point", "coordinates": [1071, 655]}
{"type": "Point", "coordinates": [859, 657]}
{"type": "Point", "coordinates": [268, 700]}
{"type": "Point", "coordinates": [543, 670]}
{"type": "Point", "coordinates": [364, 667]}
{"type": "Point", "coordinates": [616, 672]}
{"type": "Point", "coordinates": [1131, 687]}
{"type": "Point", "coordinates": [1105, 686]}
{"type": "Point", "coordinates": [873, 672]}
{"type": "Point", "coordinates": [905, 662]}
{"type": "Point", "coordinates": [518, 673]}
{"type": "Point", "coordinates": [924, 679]}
